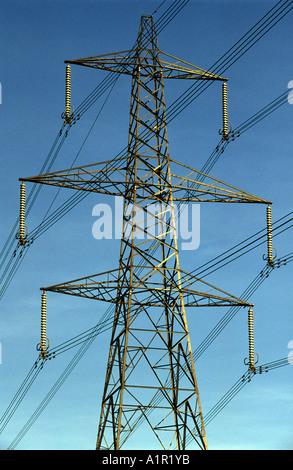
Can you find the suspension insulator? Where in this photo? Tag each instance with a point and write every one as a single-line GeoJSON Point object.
{"type": "Point", "coordinates": [270, 257]}
{"type": "Point", "coordinates": [67, 95]}
{"type": "Point", "coordinates": [251, 340]}
{"type": "Point", "coordinates": [225, 112]}
{"type": "Point", "coordinates": [22, 228]}
{"type": "Point", "coordinates": [253, 358]}
{"type": "Point", "coordinates": [43, 343]}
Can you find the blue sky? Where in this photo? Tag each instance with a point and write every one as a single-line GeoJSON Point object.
{"type": "Point", "coordinates": [36, 38]}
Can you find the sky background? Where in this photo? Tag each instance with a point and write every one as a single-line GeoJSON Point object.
{"type": "Point", "coordinates": [36, 38]}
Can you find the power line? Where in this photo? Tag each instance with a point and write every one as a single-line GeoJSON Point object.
{"type": "Point", "coordinates": [240, 383]}
{"type": "Point", "coordinates": [216, 261]}
{"type": "Point", "coordinates": [107, 83]}
{"type": "Point", "coordinates": [20, 394]}
{"type": "Point", "coordinates": [49, 220]}
{"type": "Point", "coordinates": [262, 27]}
{"type": "Point", "coordinates": [76, 198]}
{"type": "Point", "coordinates": [223, 323]}
{"type": "Point", "coordinates": [162, 22]}
{"type": "Point", "coordinates": [105, 324]}
{"type": "Point", "coordinates": [174, 2]}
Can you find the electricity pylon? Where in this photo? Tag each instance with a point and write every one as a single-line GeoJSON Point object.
{"type": "Point", "coordinates": [150, 373]}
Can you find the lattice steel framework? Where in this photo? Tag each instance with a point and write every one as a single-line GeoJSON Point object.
{"type": "Point", "coordinates": [150, 373]}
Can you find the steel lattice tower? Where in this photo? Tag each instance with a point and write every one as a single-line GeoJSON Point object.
{"type": "Point", "coordinates": [150, 373]}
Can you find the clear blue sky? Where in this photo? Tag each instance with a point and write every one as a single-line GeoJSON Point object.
{"type": "Point", "coordinates": [36, 38]}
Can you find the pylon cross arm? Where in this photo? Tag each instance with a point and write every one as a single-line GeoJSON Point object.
{"type": "Point", "coordinates": [131, 62]}
{"type": "Point", "coordinates": [109, 177]}
{"type": "Point", "coordinates": [147, 290]}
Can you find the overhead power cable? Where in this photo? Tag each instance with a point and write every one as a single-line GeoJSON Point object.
{"type": "Point", "coordinates": [73, 200]}
{"type": "Point", "coordinates": [71, 346]}
{"type": "Point", "coordinates": [202, 272]}
{"type": "Point", "coordinates": [109, 82]}
{"type": "Point", "coordinates": [262, 27]}
{"type": "Point", "coordinates": [246, 295]}
{"type": "Point", "coordinates": [20, 394]}
{"type": "Point", "coordinates": [50, 219]}
{"type": "Point", "coordinates": [33, 194]}
{"type": "Point", "coordinates": [105, 85]}
{"type": "Point", "coordinates": [279, 2]}
{"type": "Point", "coordinates": [54, 389]}
{"type": "Point", "coordinates": [272, 17]}
{"type": "Point", "coordinates": [262, 113]}
{"type": "Point", "coordinates": [105, 324]}
{"type": "Point", "coordinates": [38, 366]}
{"type": "Point", "coordinates": [215, 332]}
{"type": "Point", "coordinates": [161, 23]}
{"type": "Point", "coordinates": [240, 383]}
{"type": "Point", "coordinates": [256, 118]}
{"type": "Point", "coordinates": [245, 43]}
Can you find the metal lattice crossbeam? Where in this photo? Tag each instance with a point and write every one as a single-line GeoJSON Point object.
{"type": "Point", "coordinates": [126, 62]}
{"type": "Point", "coordinates": [148, 289]}
{"type": "Point", "coordinates": [110, 178]}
